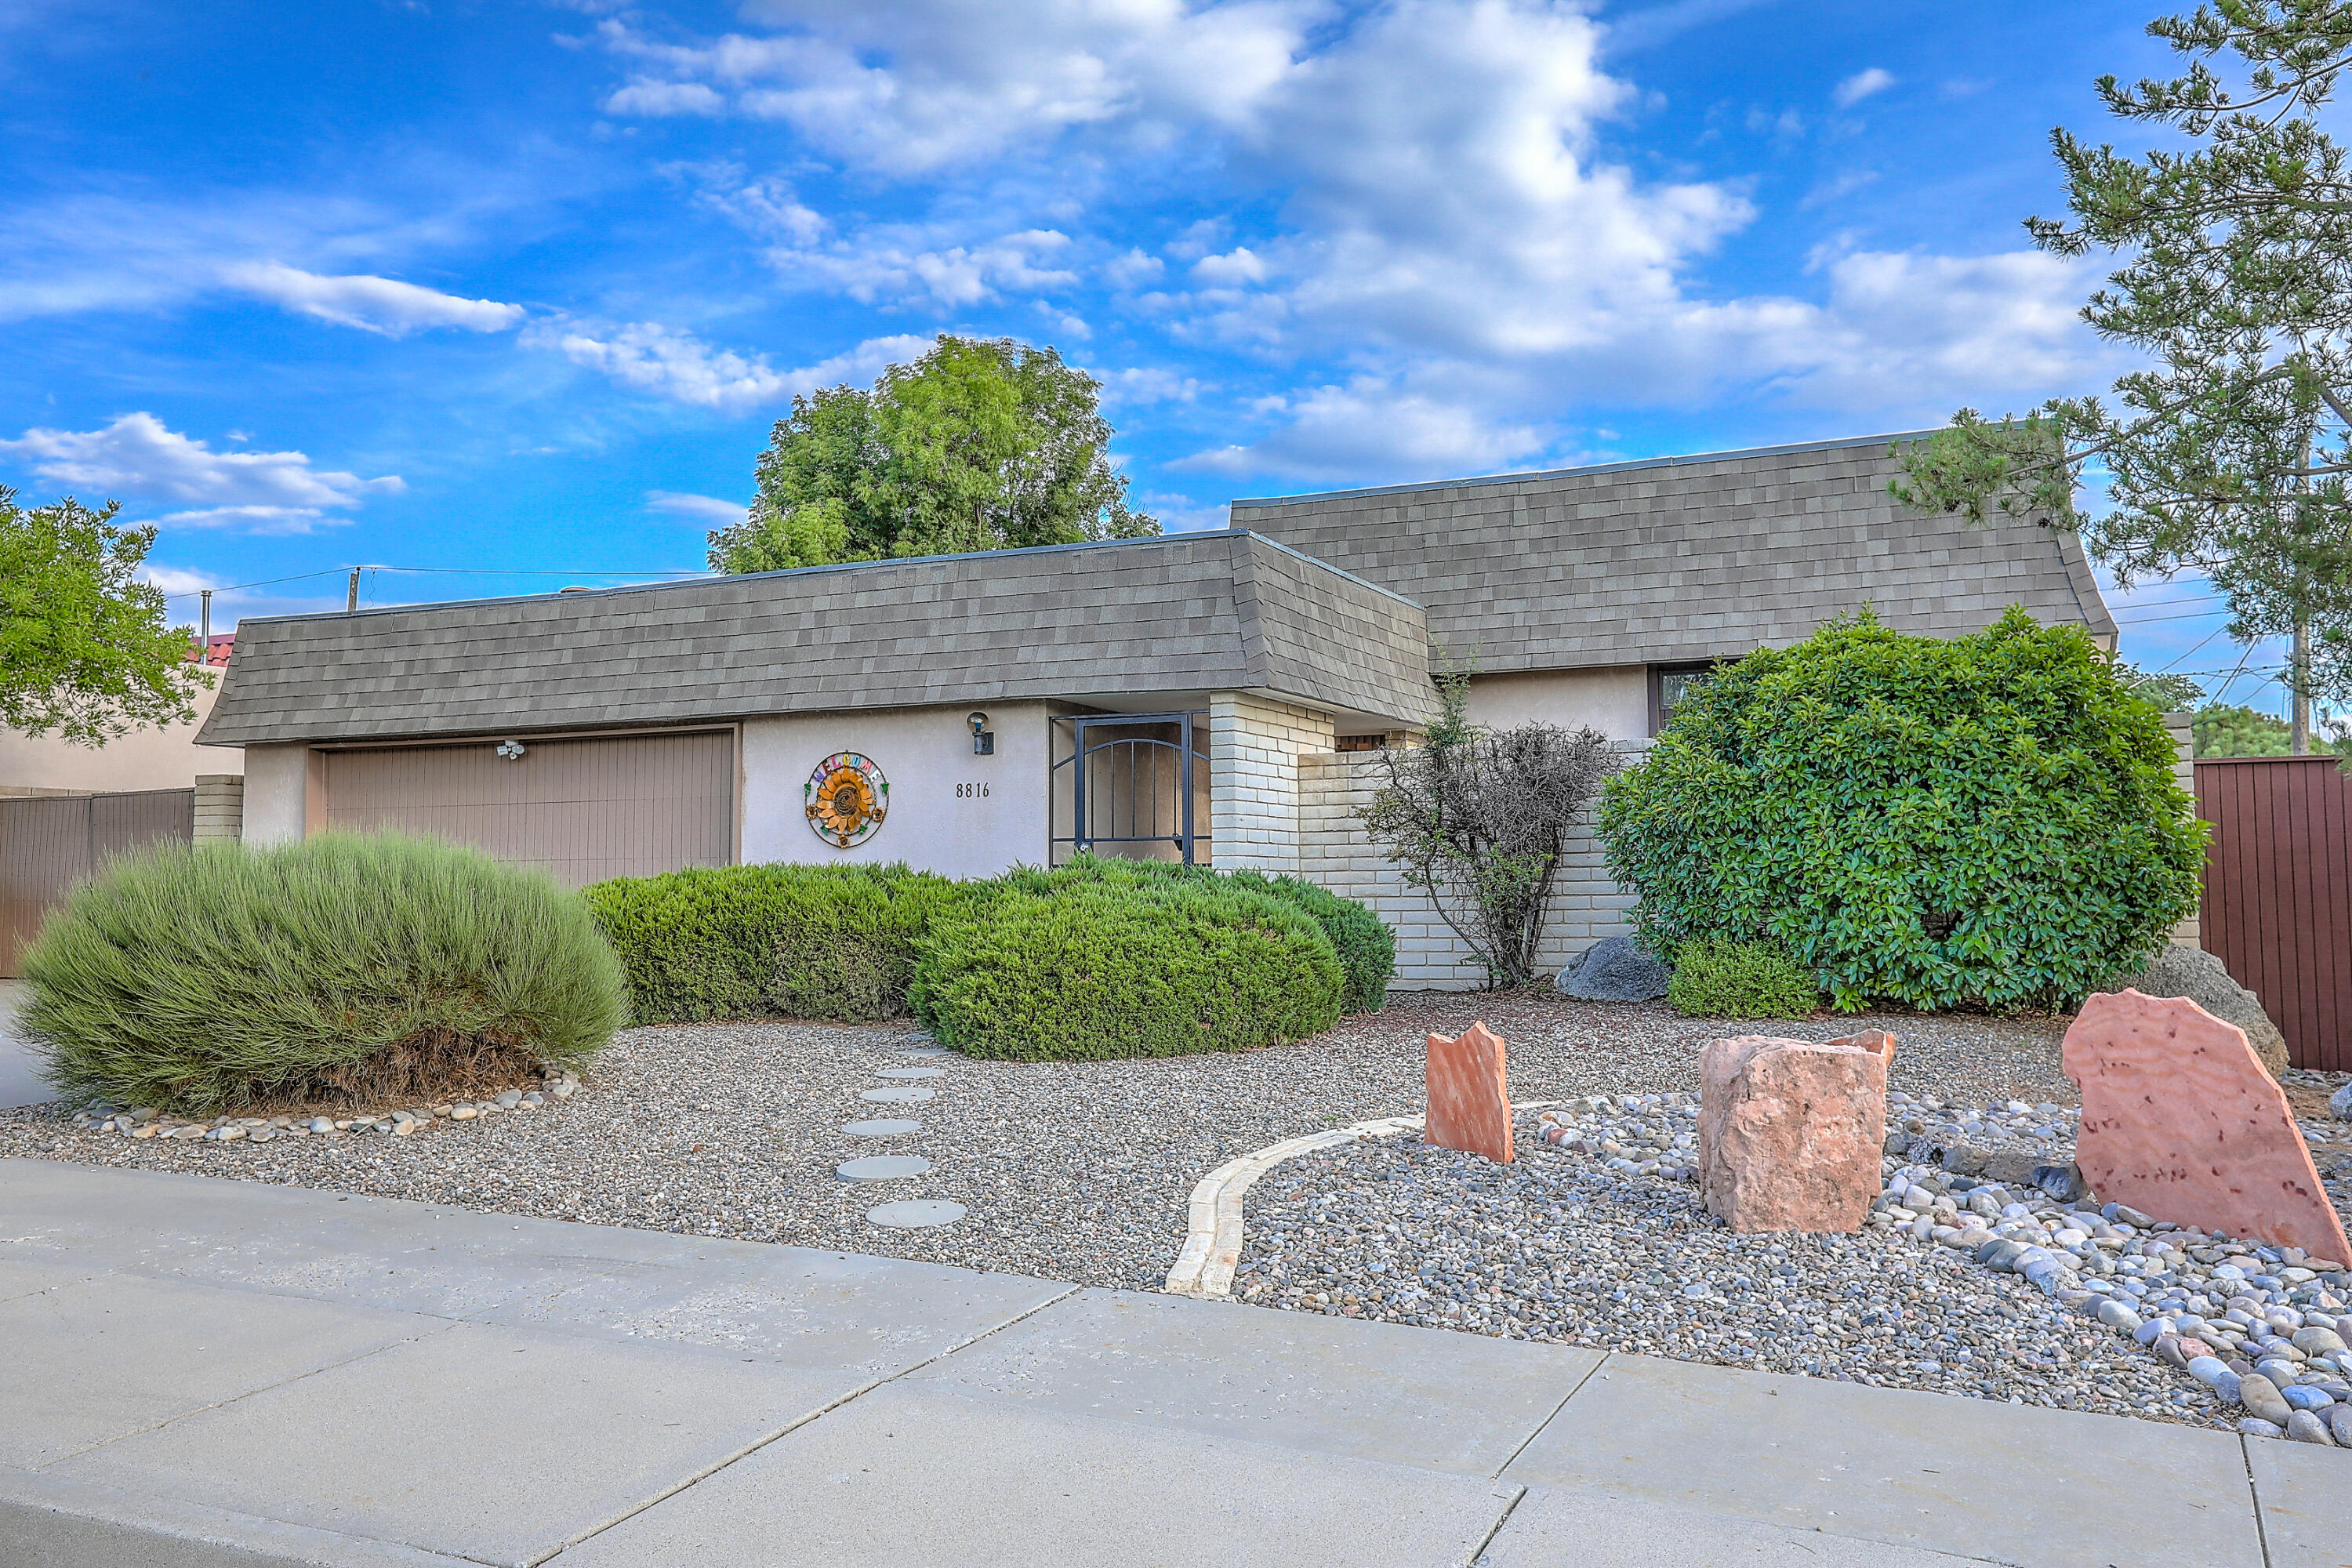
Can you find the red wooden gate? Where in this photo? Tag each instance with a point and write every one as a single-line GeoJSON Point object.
{"type": "Point", "coordinates": [2277, 909]}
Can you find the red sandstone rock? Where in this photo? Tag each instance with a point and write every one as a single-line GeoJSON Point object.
{"type": "Point", "coordinates": [1877, 1041]}
{"type": "Point", "coordinates": [2180, 1119]}
{"type": "Point", "coordinates": [1469, 1099]}
{"type": "Point", "coordinates": [1790, 1133]}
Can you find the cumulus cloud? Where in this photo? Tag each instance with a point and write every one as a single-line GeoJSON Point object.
{"type": "Point", "coordinates": [679, 367]}
{"type": "Point", "coordinates": [1860, 85]}
{"type": "Point", "coordinates": [138, 458]}
{"type": "Point", "coordinates": [1370, 427]}
{"type": "Point", "coordinates": [382, 305]}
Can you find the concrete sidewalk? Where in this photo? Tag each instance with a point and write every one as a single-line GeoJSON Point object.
{"type": "Point", "coordinates": [196, 1373]}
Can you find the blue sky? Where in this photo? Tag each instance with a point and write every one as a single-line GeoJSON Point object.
{"type": "Point", "coordinates": [513, 291]}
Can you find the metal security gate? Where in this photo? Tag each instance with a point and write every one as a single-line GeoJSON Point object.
{"type": "Point", "coordinates": [586, 809]}
{"type": "Point", "coordinates": [1132, 784]}
{"type": "Point", "coordinates": [48, 843]}
{"type": "Point", "coordinates": [2277, 908]}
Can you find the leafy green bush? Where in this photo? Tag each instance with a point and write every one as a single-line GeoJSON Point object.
{"type": "Point", "coordinates": [2227, 730]}
{"type": "Point", "coordinates": [832, 941]}
{"type": "Point", "coordinates": [1081, 963]}
{"type": "Point", "coordinates": [342, 968]}
{"type": "Point", "coordinates": [1716, 977]}
{"type": "Point", "coordinates": [1366, 946]}
{"type": "Point", "coordinates": [1991, 819]}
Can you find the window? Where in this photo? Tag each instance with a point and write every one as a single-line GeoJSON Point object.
{"type": "Point", "coordinates": [1668, 682]}
{"type": "Point", "coordinates": [1363, 742]}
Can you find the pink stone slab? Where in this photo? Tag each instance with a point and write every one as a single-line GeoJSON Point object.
{"type": "Point", "coordinates": [1469, 1098]}
{"type": "Point", "coordinates": [1790, 1133]}
{"type": "Point", "coordinates": [2180, 1121]}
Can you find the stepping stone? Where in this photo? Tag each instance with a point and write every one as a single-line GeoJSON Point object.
{"type": "Point", "coordinates": [912, 1072]}
{"type": "Point", "coordinates": [915, 1213]}
{"type": "Point", "coordinates": [900, 1095]}
{"type": "Point", "coordinates": [882, 1168]}
{"type": "Point", "coordinates": [882, 1127]}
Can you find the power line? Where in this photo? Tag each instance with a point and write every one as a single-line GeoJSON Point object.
{"type": "Point", "coordinates": [467, 570]}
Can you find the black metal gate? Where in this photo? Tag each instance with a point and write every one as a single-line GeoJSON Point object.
{"type": "Point", "coordinates": [1132, 784]}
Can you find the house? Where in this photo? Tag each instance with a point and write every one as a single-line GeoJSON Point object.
{"type": "Point", "coordinates": [1214, 696]}
{"type": "Point", "coordinates": [166, 757]}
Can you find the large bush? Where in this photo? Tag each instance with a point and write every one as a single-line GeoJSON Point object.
{"type": "Point", "coordinates": [344, 968]}
{"type": "Point", "coordinates": [1073, 965]}
{"type": "Point", "coordinates": [1989, 819]}
{"type": "Point", "coordinates": [1366, 946]}
{"type": "Point", "coordinates": [832, 941]}
{"type": "Point", "coordinates": [1716, 977]}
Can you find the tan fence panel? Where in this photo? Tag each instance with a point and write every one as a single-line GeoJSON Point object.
{"type": "Point", "coordinates": [629, 805]}
{"type": "Point", "coordinates": [48, 843]}
{"type": "Point", "coordinates": [2277, 906]}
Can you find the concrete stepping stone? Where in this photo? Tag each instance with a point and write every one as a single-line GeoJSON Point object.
{"type": "Point", "coordinates": [900, 1095]}
{"type": "Point", "coordinates": [882, 1168]}
{"type": "Point", "coordinates": [882, 1127]}
{"type": "Point", "coordinates": [911, 1072]}
{"type": "Point", "coordinates": [913, 1213]}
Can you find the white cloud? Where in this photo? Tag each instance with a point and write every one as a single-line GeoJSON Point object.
{"type": "Point", "coordinates": [700, 508]}
{"type": "Point", "coordinates": [1368, 427]}
{"type": "Point", "coordinates": [382, 305]}
{"type": "Point", "coordinates": [1860, 85]}
{"type": "Point", "coordinates": [1237, 268]}
{"type": "Point", "coordinates": [139, 460]}
{"type": "Point", "coordinates": [681, 368]}
{"type": "Point", "coordinates": [1147, 384]}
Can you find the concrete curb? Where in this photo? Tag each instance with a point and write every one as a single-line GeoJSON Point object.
{"type": "Point", "coordinates": [1212, 1229]}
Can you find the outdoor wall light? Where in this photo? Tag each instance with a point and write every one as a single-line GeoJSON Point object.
{"type": "Point", "coordinates": [984, 740]}
{"type": "Point", "coordinates": [511, 750]}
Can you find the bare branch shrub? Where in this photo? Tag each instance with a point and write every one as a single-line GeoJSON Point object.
{"type": "Point", "coordinates": [1480, 817]}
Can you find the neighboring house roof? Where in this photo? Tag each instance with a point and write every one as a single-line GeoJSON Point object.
{"type": "Point", "coordinates": [1681, 558]}
{"type": "Point", "coordinates": [218, 650]}
{"type": "Point", "coordinates": [1183, 614]}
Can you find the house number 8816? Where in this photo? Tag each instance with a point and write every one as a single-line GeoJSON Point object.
{"type": "Point", "coordinates": [971, 792]}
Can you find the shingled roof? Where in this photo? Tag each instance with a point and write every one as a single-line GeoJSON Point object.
{"type": "Point", "coordinates": [1681, 558]}
{"type": "Point", "coordinates": [1183, 614]}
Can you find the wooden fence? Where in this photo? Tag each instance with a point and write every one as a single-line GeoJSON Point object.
{"type": "Point", "coordinates": [47, 843]}
{"type": "Point", "coordinates": [2277, 908]}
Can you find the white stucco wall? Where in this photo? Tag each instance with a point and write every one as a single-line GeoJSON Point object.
{"type": "Point", "coordinates": [277, 792]}
{"type": "Point", "coordinates": [926, 753]}
{"type": "Point", "coordinates": [143, 758]}
{"type": "Point", "coordinates": [1616, 700]}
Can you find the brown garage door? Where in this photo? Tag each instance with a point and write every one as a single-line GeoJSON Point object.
{"type": "Point", "coordinates": [617, 806]}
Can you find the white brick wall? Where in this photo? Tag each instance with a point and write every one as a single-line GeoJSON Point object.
{"type": "Point", "coordinates": [1333, 851]}
{"type": "Point", "coordinates": [1255, 748]}
{"type": "Point", "coordinates": [2184, 774]}
{"type": "Point", "coordinates": [219, 807]}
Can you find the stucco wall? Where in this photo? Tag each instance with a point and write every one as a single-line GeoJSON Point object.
{"type": "Point", "coordinates": [277, 791]}
{"type": "Point", "coordinates": [1616, 701]}
{"type": "Point", "coordinates": [1333, 851]}
{"type": "Point", "coordinates": [926, 753]}
{"type": "Point", "coordinates": [1256, 747]}
{"type": "Point", "coordinates": [144, 759]}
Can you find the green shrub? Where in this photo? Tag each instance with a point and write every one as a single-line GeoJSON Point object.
{"type": "Point", "coordinates": [1366, 946]}
{"type": "Point", "coordinates": [1044, 965]}
{"type": "Point", "coordinates": [342, 968]}
{"type": "Point", "coordinates": [1991, 819]}
{"type": "Point", "coordinates": [1716, 977]}
{"type": "Point", "coordinates": [832, 941]}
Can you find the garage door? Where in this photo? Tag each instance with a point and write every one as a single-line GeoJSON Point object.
{"type": "Point", "coordinates": [621, 806]}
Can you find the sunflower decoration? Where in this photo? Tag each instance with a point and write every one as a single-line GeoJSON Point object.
{"type": "Point", "coordinates": [847, 798]}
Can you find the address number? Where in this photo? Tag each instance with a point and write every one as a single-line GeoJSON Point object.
{"type": "Point", "coordinates": [971, 792]}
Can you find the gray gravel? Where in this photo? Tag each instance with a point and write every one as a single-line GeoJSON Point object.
{"type": "Point", "coordinates": [1071, 1171]}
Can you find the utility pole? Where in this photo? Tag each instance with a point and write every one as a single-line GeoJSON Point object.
{"type": "Point", "coordinates": [204, 635]}
{"type": "Point", "coordinates": [2299, 691]}
{"type": "Point", "coordinates": [351, 601]}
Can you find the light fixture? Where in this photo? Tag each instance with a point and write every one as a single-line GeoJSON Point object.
{"type": "Point", "coordinates": [511, 750]}
{"type": "Point", "coordinates": [983, 741]}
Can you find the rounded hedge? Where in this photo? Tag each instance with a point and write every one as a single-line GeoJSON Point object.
{"type": "Point", "coordinates": [1989, 819]}
{"type": "Point", "coordinates": [1715, 977]}
{"type": "Point", "coordinates": [1042, 966]}
{"type": "Point", "coordinates": [835, 943]}
{"type": "Point", "coordinates": [342, 969]}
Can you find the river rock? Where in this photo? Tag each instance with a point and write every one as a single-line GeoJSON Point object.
{"type": "Point", "coordinates": [1789, 1132]}
{"type": "Point", "coordinates": [2302, 1426]}
{"type": "Point", "coordinates": [1469, 1098]}
{"type": "Point", "coordinates": [2261, 1397]}
{"type": "Point", "coordinates": [2177, 970]}
{"type": "Point", "coordinates": [2180, 1118]}
{"type": "Point", "coordinates": [2340, 1102]}
{"type": "Point", "coordinates": [1615, 970]}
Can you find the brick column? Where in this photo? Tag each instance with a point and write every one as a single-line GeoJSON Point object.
{"type": "Point", "coordinates": [220, 806]}
{"type": "Point", "coordinates": [1255, 744]}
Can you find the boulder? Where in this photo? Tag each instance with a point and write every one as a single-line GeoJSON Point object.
{"type": "Point", "coordinates": [1469, 1098]}
{"type": "Point", "coordinates": [2180, 1119]}
{"type": "Point", "coordinates": [1789, 1132]}
{"type": "Point", "coordinates": [1615, 970]}
{"type": "Point", "coordinates": [2177, 970]}
{"type": "Point", "coordinates": [2340, 1102]}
